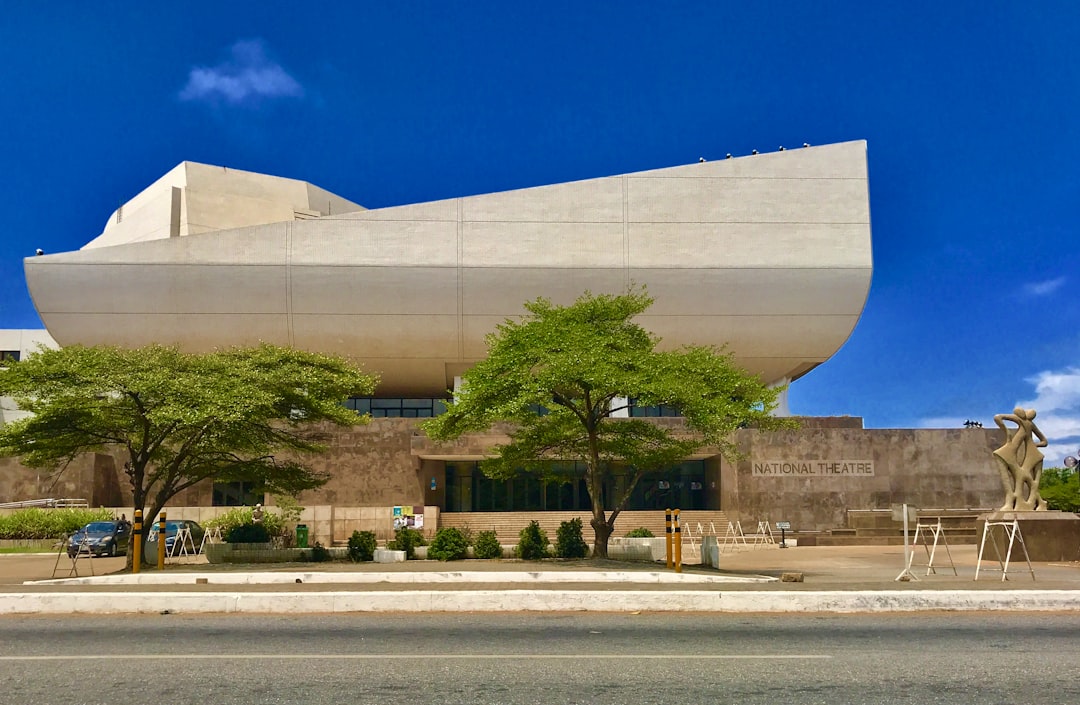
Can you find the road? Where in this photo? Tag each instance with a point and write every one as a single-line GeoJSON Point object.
{"type": "Point", "coordinates": [560, 658]}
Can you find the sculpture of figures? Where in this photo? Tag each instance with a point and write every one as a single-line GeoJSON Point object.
{"type": "Point", "coordinates": [1020, 462]}
{"type": "Point", "coordinates": [257, 514]}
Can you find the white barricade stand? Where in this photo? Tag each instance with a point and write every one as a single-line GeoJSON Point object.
{"type": "Point", "coordinates": [763, 535]}
{"type": "Point", "coordinates": [183, 544]}
{"type": "Point", "coordinates": [924, 532]}
{"type": "Point", "coordinates": [84, 547]}
{"type": "Point", "coordinates": [733, 536]}
{"type": "Point", "coordinates": [211, 536]}
{"type": "Point", "coordinates": [1010, 530]}
{"type": "Point", "coordinates": [688, 534]}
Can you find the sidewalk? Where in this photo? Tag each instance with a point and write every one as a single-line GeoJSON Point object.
{"type": "Point", "coordinates": [836, 579]}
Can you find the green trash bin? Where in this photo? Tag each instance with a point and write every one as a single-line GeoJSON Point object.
{"type": "Point", "coordinates": [301, 535]}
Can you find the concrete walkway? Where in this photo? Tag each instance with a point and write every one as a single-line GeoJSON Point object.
{"type": "Point", "coordinates": [835, 579]}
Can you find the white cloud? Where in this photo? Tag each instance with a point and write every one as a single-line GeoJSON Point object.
{"type": "Point", "coordinates": [246, 77]}
{"type": "Point", "coordinates": [1044, 288]}
{"type": "Point", "coordinates": [1057, 402]}
{"type": "Point", "coordinates": [1055, 390]}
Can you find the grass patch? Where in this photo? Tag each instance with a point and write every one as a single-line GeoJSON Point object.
{"type": "Point", "coordinates": [28, 549]}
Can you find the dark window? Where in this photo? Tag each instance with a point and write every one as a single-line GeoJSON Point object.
{"type": "Point", "coordinates": [236, 494]}
{"type": "Point", "coordinates": [468, 489]}
{"type": "Point", "coordinates": [393, 408]}
{"type": "Point", "coordinates": [9, 355]}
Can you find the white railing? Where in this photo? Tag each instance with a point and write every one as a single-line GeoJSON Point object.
{"type": "Point", "coordinates": [46, 503]}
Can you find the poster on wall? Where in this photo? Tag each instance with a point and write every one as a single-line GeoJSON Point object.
{"type": "Point", "coordinates": [409, 516]}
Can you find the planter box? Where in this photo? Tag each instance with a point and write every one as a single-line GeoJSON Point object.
{"type": "Point", "coordinates": [385, 555]}
{"type": "Point", "coordinates": [262, 553]}
{"type": "Point", "coordinates": [644, 549]}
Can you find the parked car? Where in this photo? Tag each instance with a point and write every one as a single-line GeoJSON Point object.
{"type": "Point", "coordinates": [172, 529]}
{"type": "Point", "coordinates": [100, 538]}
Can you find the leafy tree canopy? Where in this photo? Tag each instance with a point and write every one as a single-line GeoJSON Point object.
{"type": "Point", "coordinates": [1060, 487]}
{"type": "Point", "coordinates": [563, 373]}
{"type": "Point", "coordinates": [179, 419]}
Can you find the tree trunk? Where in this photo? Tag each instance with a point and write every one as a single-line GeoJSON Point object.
{"type": "Point", "coordinates": [602, 532]}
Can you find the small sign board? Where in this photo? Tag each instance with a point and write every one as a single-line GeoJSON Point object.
{"type": "Point", "coordinates": [784, 525]}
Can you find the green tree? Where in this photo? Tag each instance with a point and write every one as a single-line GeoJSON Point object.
{"type": "Point", "coordinates": [1060, 487]}
{"type": "Point", "coordinates": [178, 419]}
{"type": "Point", "coordinates": [562, 373]}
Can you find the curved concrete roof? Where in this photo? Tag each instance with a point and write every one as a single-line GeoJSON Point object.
{"type": "Point", "coordinates": [769, 254]}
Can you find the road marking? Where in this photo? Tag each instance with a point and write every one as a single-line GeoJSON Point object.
{"type": "Point", "coordinates": [403, 657]}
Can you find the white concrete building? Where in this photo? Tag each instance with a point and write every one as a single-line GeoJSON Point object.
{"type": "Point", "coordinates": [767, 254]}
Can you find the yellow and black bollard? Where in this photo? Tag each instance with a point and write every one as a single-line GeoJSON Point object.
{"type": "Point", "coordinates": [667, 538]}
{"type": "Point", "coordinates": [136, 538]}
{"type": "Point", "coordinates": [161, 542]}
{"type": "Point", "coordinates": [678, 544]}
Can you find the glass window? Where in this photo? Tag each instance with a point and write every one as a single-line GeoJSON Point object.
{"type": "Point", "coordinates": [236, 494]}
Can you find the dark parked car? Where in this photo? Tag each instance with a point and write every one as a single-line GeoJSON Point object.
{"type": "Point", "coordinates": [172, 529]}
{"type": "Point", "coordinates": [101, 538]}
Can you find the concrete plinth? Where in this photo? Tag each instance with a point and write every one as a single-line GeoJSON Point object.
{"type": "Point", "coordinates": [1048, 536]}
{"type": "Point", "coordinates": [385, 555]}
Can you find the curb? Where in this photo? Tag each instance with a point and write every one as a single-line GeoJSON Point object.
{"type": "Point", "coordinates": [74, 603]}
{"type": "Point", "coordinates": [363, 578]}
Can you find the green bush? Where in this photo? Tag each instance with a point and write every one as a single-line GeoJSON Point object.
{"type": "Point", "coordinates": [532, 543]}
{"type": "Point", "coordinates": [449, 544]}
{"type": "Point", "coordinates": [239, 516]}
{"type": "Point", "coordinates": [36, 523]}
{"type": "Point", "coordinates": [407, 539]}
{"type": "Point", "coordinates": [568, 540]}
{"type": "Point", "coordinates": [487, 545]}
{"type": "Point", "coordinates": [1060, 487]}
{"type": "Point", "coordinates": [320, 553]}
{"type": "Point", "coordinates": [248, 533]}
{"type": "Point", "coordinates": [639, 533]}
{"type": "Point", "coordinates": [362, 546]}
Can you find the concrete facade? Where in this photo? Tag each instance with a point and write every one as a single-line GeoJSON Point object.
{"type": "Point", "coordinates": [768, 254]}
{"type": "Point", "coordinates": [19, 344]}
{"type": "Point", "coordinates": [389, 462]}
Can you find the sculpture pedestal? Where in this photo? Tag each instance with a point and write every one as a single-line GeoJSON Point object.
{"type": "Point", "coordinates": [1048, 536]}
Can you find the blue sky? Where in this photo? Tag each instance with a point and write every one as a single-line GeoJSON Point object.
{"type": "Point", "coordinates": [970, 110]}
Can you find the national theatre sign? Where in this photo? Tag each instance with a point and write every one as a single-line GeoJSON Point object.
{"type": "Point", "coordinates": [813, 468]}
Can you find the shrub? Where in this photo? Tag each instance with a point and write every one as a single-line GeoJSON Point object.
{"type": "Point", "coordinates": [487, 545]}
{"type": "Point", "coordinates": [449, 544]}
{"type": "Point", "coordinates": [362, 546]}
{"type": "Point", "coordinates": [36, 523]}
{"type": "Point", "coordinates": [568, 540]}
{"type": "Point", "coordinates": [239, 516]}
{"type": "Point", "coordinates": [532, 543]}
{"type": "Point", "coordinates": [639, 533]}
{"type": "Point", "coordinates": [320, 553]}
{"type": "Point", "coordinates": [248, 533]}
{"type": "Point", "coordinates": [1060, 487]}
{"type": "Point", "coordinates": [407, 539]}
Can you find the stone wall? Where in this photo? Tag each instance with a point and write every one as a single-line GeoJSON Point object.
{"type": "Point", "coordinates": [378, 466]}
{"type": "Point", "coordinates": [937, 468]}
{"type": "Point", "coordinates": [91, 477]}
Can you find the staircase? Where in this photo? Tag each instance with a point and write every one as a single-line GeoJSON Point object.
{"type": "Point", "coordinates": [876, 527]}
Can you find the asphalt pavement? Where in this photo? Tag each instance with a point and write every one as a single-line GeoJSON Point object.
{"type": "Point", "coordinates": [524, 659]}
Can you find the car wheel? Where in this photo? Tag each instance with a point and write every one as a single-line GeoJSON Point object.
{"type": "Point", "coordinates": [112, 550]}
